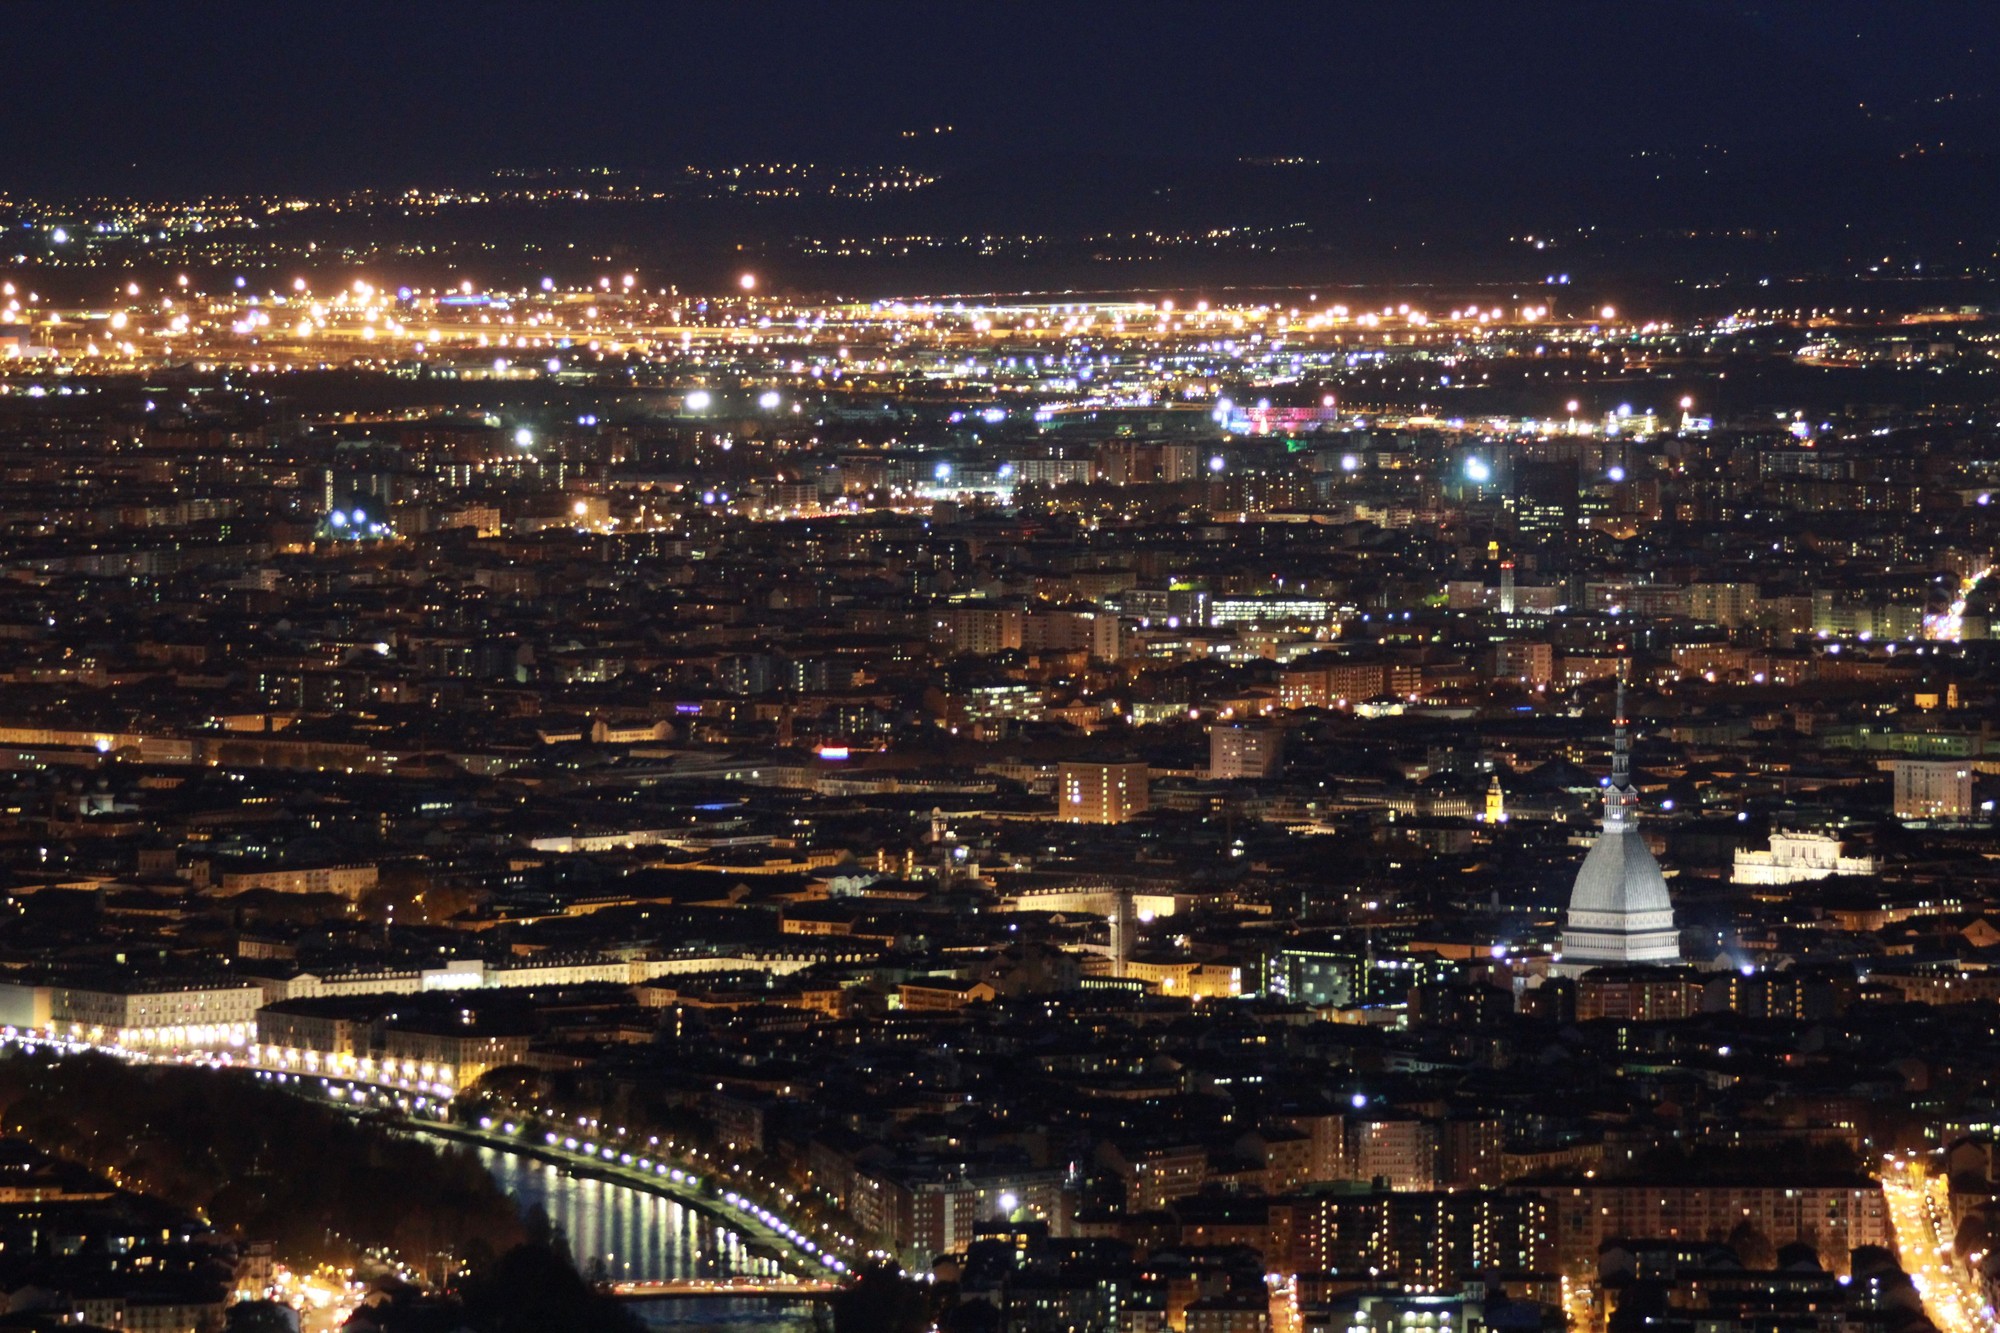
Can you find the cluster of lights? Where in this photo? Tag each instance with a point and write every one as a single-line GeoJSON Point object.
{"type": "Point", "coordinates": [355, 523]}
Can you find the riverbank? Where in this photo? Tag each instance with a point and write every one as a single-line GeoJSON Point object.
{"type": "Point", "coordinates": [793, 1252]}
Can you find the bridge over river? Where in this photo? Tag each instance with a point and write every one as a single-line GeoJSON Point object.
{"type": "Point", "coordinates": [678, 1267]}
{"type": "Point", "coordinates": [708, 1288]}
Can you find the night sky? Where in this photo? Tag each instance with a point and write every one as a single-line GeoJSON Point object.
{"type": "Point", "coordinates": [174, 98]}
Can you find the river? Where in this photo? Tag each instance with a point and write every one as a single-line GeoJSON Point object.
{"type": "Point", "coordinates": [623, 1233]}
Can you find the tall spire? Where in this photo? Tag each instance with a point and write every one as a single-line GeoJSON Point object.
{"type": "Point", "coordinates": [1620, 801]}
{"type": "Point", "coordinates": [1621, 754]}
{"type": "Point", "coordinates": [1620, 913]}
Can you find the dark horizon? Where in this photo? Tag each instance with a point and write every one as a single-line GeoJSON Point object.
{"type": "Point", "coordinates": [173, 99]}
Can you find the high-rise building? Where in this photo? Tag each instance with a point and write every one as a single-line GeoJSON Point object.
{"type": "Point", "coordinates": [1933, 789]}
{"type": "Point", "coordinates": [1546, 507]}
{"type": "Point", "coordinates": [1524, 660]}
{"type": "Point", "coordinates": [1396, 1151]}
{"type": "Point", "coordinates": [1102, 793]}
{"type": "Point", "coordinates": [980, 630]}
{"type": "Point", "coordinates": [1236, 753]}
{"type": "Point", "coordinates": [1619, 911]}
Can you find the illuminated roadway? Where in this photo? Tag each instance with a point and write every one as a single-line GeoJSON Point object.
{"type": "Point", "coordinates": [1950, 626]}
{"type": "Point", "coordinates": [1920, 1214]}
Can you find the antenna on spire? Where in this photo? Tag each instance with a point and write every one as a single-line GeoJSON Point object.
{"type": "Point", "coordinates": [1621, 755]}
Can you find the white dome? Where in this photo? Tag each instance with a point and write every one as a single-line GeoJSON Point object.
{"type": "Point", "coordinates": [1620, 875]}
{"type": "Point", "coordinates": [1619, 911]}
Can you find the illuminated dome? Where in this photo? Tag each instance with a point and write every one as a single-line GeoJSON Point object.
{"type": "Point", "coordinates": [1619, 911]}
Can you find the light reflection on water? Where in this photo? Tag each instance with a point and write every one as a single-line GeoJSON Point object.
{"type": "Point", "coordinates": [622, 1233]}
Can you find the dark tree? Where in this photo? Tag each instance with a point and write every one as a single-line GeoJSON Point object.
{"type": "Point", "coordinates": [261, 1317]}
{"type": "Point", "coordinates": [532, 1289]}
{"type": "Point", "coordinates": [1753, 1248]}
{"type": "Point", "coordinates": [881, 1300]}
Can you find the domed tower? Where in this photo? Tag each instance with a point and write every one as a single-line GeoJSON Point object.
{"type": "Point", "coordinates": [1619, 911]}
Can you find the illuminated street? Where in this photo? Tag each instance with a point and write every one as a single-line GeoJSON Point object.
{"type": "Point", "coordinates": [324, 1299]}
{"type": "Point", "coordinates": [1920, 1212]}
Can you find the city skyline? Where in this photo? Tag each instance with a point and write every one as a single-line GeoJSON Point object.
{"type": "Point", "coordinates": [1271, 669]}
